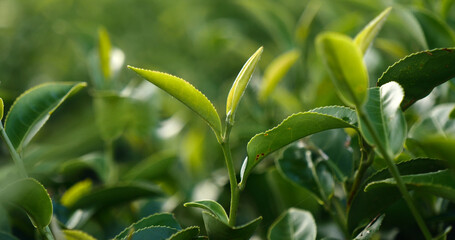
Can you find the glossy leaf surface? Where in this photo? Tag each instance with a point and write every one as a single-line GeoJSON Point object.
{"type": "Point", "coordinates": [420, 72]}
{"type": "Point", "coordinates": [389, 125]}
{"type": "Point", "coordinates": [154, 232]}
{"type": "Point", "coordinates": [344, 61]}
{"type": "Point", "coordinates": [217, 229]}
{"type": "Point", "coordinates": [213, 207]}
{"type": "Point", "coordinates": [33, 108]}
{"type": "Point", "coordinates": [293, 128]}
{"type": "Point", "coordinates": [240, 84]}
{"type": "Point", "coordinates": [30, 196]}
{"type": "Point", "coordinates": [116, 195]}
{"type": "Point", "coordinates": [365, 37]}
{"type": "Point", "coordinates": [159, 219]}
{"type": "Point", "coordinates": [185, 93]}
{"type": "Point", "coordinates": [186, 234]}
{"type": "Point", "coordinates": [294, 224]}
{"type": "Point", "coordinates": [276, 70]}
{"type": "Point", "coordinates": [76, 235]}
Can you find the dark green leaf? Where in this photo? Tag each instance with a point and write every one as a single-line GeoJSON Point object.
{"type": "Point", "coordinates": [109, 196]}
{"type": "Point", "coordinates": [153, 167]}
{"type": "Point", "coordinates": [29, 195]}
{"type": "Point", "coordinates": [239, 85]}
{"type": "Point", "coordinates": [420, 72]}
{"type": "Point", "coordinates": [344, 61]}
{"type": "Point", "coordinates": [159, 219]}
{"type": "Point", "coordinates": [213, 207]}
{"type": "Point", "coordinates": [437, 33]}
{"type": "Point", "coordinates": [7, 236]}
{"type": "Point", "coordinates": [154, 232]}
{"type": "Point", "coordinates": [370, 230]}
{"type": "Point", "coordinates": [33, 108]}
{"type": "Point", "coordinates": [299, 166]}
{"type": "Point", "coordinates": [217, 229]}
{"type": "Point", "coordinates": [186, 234]}
{"type": "Point", "coordinates": [294, 224]}
{"type": "Point", "coordinates": [383, 112]}
{"type": "Point", "coordinates": [185, 93]}
{"type": "Point", "coordinates": [293, 128]}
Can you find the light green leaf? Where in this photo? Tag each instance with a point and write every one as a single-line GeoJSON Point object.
{"type": "Point", "coordinates": [75, 192]}
{"type": "Point", "coordinates": [213, 207]}
{"type": "Point", "coordinates": [33, 108]}
{"type": "Point", "coordinates": [389, 125]}
{"type": "Point", "coordinates": [1, 108]}
{"type": "Point", "coordinates": [188, 233]}
{"type": "Point", "coordinates": [240, 83]}
{"type": "Point", "coordinates": [276, 71]}
{"type": "Point", "coordinates": [295, 224]}
{"type": "Point", "coordinates": [217, 229]}
{"type": "Point", "coordinates": [185, 93]}
{"type": "Point", "coordinates": [420, 72]}
{"type": "Point", "coordinates": [307, 17]}
{"type": "Point", "coordinates": [113, 195]}
{"type": "Point", "coordinates": [293, 128]}
{"type": "Point", "coordinates": [440, 183]}
{"type": "Point", "coordinates": [365, 37]}
{"type": "Point", "coordinates": [109, 107]}
{"type": "Point", "coordinates": [344, 61]}
{"type": "Point", "coordinates": [76, 235]}
{"type": "Point", "coordinates": [370, 230]}
{"type": "Point", "coordinates": [29, 195]}
{"type": "Point", "coordinates": [104, 52]}
{"type": "Point", "coordinates": [159, 219]}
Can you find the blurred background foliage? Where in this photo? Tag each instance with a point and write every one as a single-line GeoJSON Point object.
{"type": "Point", "coordinates": [157, 139]}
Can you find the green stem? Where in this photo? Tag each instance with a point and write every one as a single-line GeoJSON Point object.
{"type": "Point", "coordinates": [46, 233]}
{"type": "Point", "coordinates": [365, 161]}
{"type": "Point", "coordinates": [396, 175]}
{"type": "Point", "coordinates": [16, 158]}
{"type": "Point", "coordinates": [235, 191]}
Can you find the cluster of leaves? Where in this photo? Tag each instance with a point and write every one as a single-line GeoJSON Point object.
{"type": "Point", "coordinates": [384, 157]}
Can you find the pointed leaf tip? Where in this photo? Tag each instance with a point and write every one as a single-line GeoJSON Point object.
{"type": "Point", "coordinates": [185, 93]}
{"type": "Point", "coordinates": [365, 37]}
{"type": "Point", "coordinates": [240, 83]}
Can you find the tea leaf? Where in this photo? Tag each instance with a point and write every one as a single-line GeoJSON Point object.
{"type": "Point", "coordinates": [293, 224]}
{"type": "Point", "coordinates": [440, 183]}
{"type": "Point", "coordinates": [76, 235]}
{"type": "Point", "coordinates": [75, 192]}
{"type": "Point", "coordinates": [33, 108]}
{"type": "Point", "coordinates": [104, 52]}
{"type": "Point", "coordinates": [365, 37]}
{"type": "Point", "coordinates": [276, 71]}
{"type": "Point", "coordinates": [115, 195]}
{"type": "Point", "coordinates": [389, 125]}
{"type": "Point", "coordinates": [159, 219]}
{"type": "Point", "coordinates": [29, 195]}
{"type": "Point", "coordinates": [366, 205]}
{"type": "Point", "coordinates": [153, 232]}
{"type": "Point", "coordinates": [307, 17]}
{"type": "Point", "coordinates": [153, 167]}
{"type": "Point", "coordinates": [420, 72]}
{"type": "Point", "coordinates": [217, 229]}
{"type": "Point", "coordinates": [108, 107]}
{"type": "Point", "coordinates": [185, 93]}
{"type": "Point", "coordinates": [344, 61]}
{"type": "Point", "coordinates": [7, 236]}
{"type": "Point", "coordinates": [240, 83]}
{"type": "Point", "coordinates": [293, 128]}
{"type": "Point", "coordinates": [371, 229]}
{"type": "Point", "coordinates": [437, 33]}
{"type": "Point", "coordinates": [213, 207]}
{"type": "Point", "coordinates": [185, 234]}
{"type": "Point", "coordinates": [1, 109]}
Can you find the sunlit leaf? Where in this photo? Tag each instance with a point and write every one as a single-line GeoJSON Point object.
{"type": "Point", "coordinates": [217, 229]}
{"type": "Point", "coordinates": [275, 71]}
{"type": "Point", "coordinates": [29, 195]}
{"type": "Point", "coordinates": [104, 52]}
{"type": "Point", "coordinates": [370, 230]}
{"type": "Point", "coordinates": [76, 235]}
{"type": "Point", "coordinates": [388, 123]}
{"type": "Point", "coordinates": [420, 72]}
{"type": "Point", "coordinates": [213, 207]}
{"type": "Point", "coordinates": [1, 109]}
{"type": "Point", "coordinates": [293, 128]}
{"type": "Point", "coordinates": [239, 85]}
{"type": "Point", "coordinates": [293, 224]}
{"type": "Point", "coordinates": [344, 61]}
{"type": "Point", "coordinates": [159, 219]}
{"type": "Point", "coordinates": [75, 192]}
{"type": "Point", "coordinates": [33, 108]}
{"type": "Point", "coordinates": [365, 37]}
{"type": "Point", "coordinates": [186, 93]}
